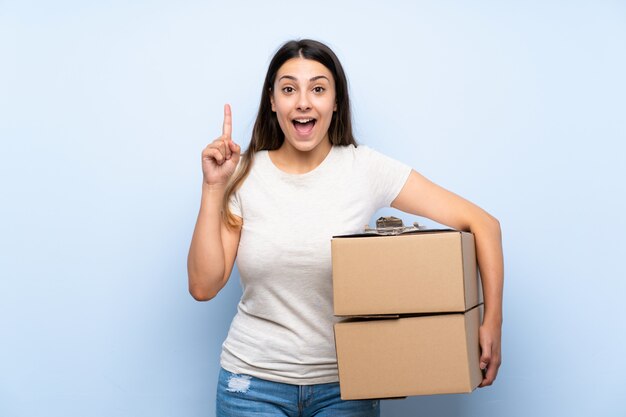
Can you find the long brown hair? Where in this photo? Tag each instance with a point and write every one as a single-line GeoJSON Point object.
{"type": "Point", "coordinates": [267, 134]}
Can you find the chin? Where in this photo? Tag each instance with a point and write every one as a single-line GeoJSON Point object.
{"type": "Point", "coordinates": [304, 145]}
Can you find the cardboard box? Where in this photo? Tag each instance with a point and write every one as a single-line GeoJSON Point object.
{"type": "Point", "coordinates": [419, 355]}
{"type": "Point", "coordinates": [424, 272]}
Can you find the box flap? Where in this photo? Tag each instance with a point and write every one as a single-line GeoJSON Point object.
{"type": "Point", "coordinates": [420, 231]}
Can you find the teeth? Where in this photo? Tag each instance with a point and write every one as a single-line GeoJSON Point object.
{"type": "Point", "coordinates": [303, 120]}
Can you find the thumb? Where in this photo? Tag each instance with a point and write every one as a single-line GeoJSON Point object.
{"type": "Point", "coordinates": [485, 357]}
{"type": "Point", "coordinates": [235, 151]}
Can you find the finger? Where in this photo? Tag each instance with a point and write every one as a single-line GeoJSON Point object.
{"type": "Point", "coordinates": [485, 356]}
{"type": "Point", "coordinates": [227, 127]}
{"type": "Point", "coordinates": [489, 376]}
{"type": "Point", "coordinates": [218, 144]}
{"type": "Point", "coordinates": [486, 381]}
{"type": "Point", "coordinates": [227, 151]}
{"type": "Point", "coordinates": [215, 155]}
{"type": "Point", "coordinates": [484, 363]}
{"type": "Point", "coordinates": [491, 371]}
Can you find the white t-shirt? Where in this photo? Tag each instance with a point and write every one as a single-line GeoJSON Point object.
{"type": "Point", "coordinates": [283, 329]}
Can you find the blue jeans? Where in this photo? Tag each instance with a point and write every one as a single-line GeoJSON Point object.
{"type": "Point", "coordinates": [241, 395]}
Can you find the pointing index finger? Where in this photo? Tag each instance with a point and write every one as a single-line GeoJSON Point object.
{"type": "Point", "coordinates": [227, 128]}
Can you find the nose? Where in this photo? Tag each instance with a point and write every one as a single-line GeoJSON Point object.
{"type": "Point", "coordinates": [304, 104]}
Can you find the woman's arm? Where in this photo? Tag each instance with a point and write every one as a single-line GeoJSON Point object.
{"type": "Point", "coordinates": [422, 197]}
{"type": "Point", "coordinates": [213, 245]}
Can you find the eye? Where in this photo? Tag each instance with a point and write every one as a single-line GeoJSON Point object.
{"type": "Point", "coordinates": [287, 90]}
{"type": "Point", "coordinates": [319, 89]}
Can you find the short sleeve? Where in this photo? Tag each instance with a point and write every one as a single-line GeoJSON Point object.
{"type": "Point", "coordinates": [234, 201]}
{"type": "Point", "coordinates": [234, 204]}
{"type": "Point", "coordinates": [386, 175]}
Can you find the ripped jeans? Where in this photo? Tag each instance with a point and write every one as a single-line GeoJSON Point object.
{"type": "Point", "coordinates": [244, 395]}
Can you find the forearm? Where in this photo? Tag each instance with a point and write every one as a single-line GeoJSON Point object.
{"type": "Point", "coordinates": [488, 239]}
{"type": "Point", "coordinates": [206, 262]}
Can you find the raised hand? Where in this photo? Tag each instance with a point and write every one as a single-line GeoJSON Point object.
{"type": "Point", "coordinates": [220, 157]}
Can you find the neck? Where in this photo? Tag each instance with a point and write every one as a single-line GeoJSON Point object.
{"type": "Point", "coordinates": [291, 160]}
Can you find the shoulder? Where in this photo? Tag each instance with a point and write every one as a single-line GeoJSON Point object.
{"type": "Point", "coordinates": [258, 166]}
{"type": "Point", "coordinates": [259, 163]}
{"type": "Point", "coordinates": [260, 157]}
{"type": "Point", "coordinates": [357, 153]}
{"type": "Point", "coordinates": [360, 154]}
{"type": "Point", "coordinates": [364, 155]}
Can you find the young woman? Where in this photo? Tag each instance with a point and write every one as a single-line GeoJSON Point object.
{"type": "Point", "coordinates": [275, 208]}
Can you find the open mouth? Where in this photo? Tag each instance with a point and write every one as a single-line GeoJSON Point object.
{"type": "Point", "coordinates": [304, 126]}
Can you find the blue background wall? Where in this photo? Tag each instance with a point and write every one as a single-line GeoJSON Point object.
{"type": "Point", "coordinates": [106, 106]}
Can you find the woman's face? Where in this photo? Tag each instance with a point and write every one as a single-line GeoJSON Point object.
{"type": "Point", "coordinates": [303, 99]}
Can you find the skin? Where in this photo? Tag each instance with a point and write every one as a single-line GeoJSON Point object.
{"type": "Point", "coordinates": [306, 89]}
{"type": "Point", "coordinates": [214, 246]}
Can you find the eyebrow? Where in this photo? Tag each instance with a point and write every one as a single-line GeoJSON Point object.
{"type": "Point", "coordinates": [317, 77]}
